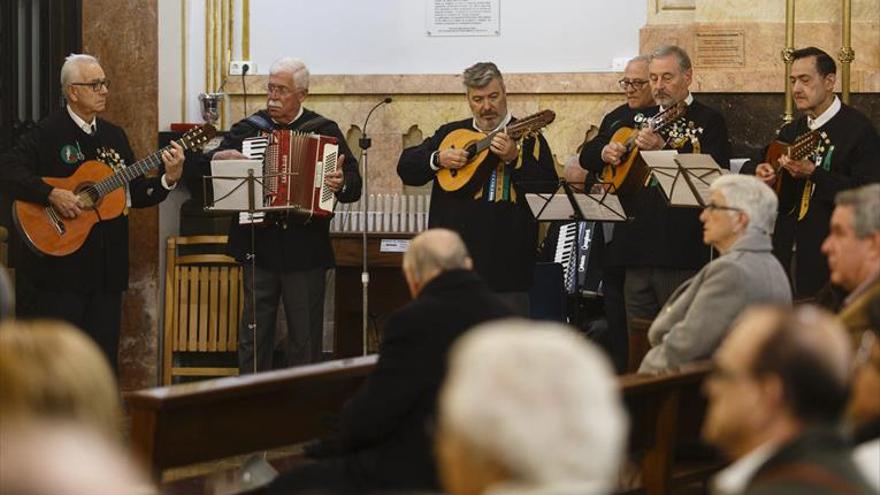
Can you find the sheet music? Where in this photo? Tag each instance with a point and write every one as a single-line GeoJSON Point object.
{"type": "Point", "coordinates": [599, 207]}
{"type": "Point", "coordinates": [683, 178]}
{"type": "Point", "coordinates": [229, 181]}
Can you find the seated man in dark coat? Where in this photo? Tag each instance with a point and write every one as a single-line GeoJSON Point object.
{"type": "Point", "coordinates": [780, 384]}
{"type": "Point", "coordinates": [384, 442]}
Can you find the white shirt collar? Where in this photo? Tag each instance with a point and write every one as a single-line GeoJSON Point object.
{"type": "Point", "coordinates": [506, 120]}
{"type": "Point", "coordinates": [82, 124]}
{"type": "Point", "coordinates": [827, 115]}
{"type": "Point", "coordinates": [735, 478]}
{"type": "Point", "coordinates": [688, 100]}
{"type": "Point", "coordinates": [298, 115]}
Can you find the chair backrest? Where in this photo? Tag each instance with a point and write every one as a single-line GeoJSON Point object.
{"type": "Point", "coordinates": [203, 301]}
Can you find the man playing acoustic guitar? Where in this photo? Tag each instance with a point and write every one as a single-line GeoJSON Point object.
{"type": "Point", "coordinates": [845, 155]}
{"type": "Point", "coordinates": [490, 214]}
{"type": "Point", "coordinates": [84, 287]}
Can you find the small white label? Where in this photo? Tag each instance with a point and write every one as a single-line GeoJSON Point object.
{"type": "Point", "coordinates": [393, 245]}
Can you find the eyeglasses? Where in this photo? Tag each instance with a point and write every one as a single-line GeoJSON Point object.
{"type": "Point", "coordinates": [281, 91]}
{"type": "Point", "coordinates": [632, 83]}
{"type": "Point", "coordinates": [96, 85]}
{"type": "Point", "coordinates": [715, 207]}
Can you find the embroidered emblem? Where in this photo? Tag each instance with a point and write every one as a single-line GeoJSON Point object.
{"type": "Point", "coordinates": [70, 154]}
{"type": "Point", "coordinates": [111, 157]}
{"type": "Point", "coordinates": [681, 132]}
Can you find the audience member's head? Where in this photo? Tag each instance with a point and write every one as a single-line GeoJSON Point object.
{"type": "Point", "coordinates": [65, 458]}
{"type": "Point", "coordinates": [779, 371]}
{"type": "Point", "coordinates": [431, 253]}
{"type": "Point", "coordinates": [738, 203]}
{"type": "Point", "coordinates": [529, 405]}
{"type": "Point", "coordinates": [486, 94]}
{"type": "Point", "coordinates": [49, 370]}
{"type": "Point", "coordinates": [853, 244]}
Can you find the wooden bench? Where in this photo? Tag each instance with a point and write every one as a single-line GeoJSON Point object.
{"type": "Point", "coordinates": [665, 411]}
{"type": "Point", "coordinates": [189, 423]}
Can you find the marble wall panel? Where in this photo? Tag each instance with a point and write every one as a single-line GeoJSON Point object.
{"type": "Point", "coordinates": [123, 35]}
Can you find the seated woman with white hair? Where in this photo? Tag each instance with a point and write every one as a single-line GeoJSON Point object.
{"type": "Point", "coordinates": [737, 222]}
{"type": "Point", "coordinates": [529, 408]}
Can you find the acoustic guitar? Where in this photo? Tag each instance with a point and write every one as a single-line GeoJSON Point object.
{"type": "Point", "coordinates": [100, 191]}
{"type": "Point", "coordinates": [631, 173]}
{"type": "Point", "coordinates": [801, 148]}
{"type": "Point", "coordinates": [478, 167]}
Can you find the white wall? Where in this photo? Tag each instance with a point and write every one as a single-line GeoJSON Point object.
{"type": "Point", "coordinates": [389, 37]}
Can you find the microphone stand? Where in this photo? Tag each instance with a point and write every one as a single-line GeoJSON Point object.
{"type": "Point", "coordinates": [364, 143]}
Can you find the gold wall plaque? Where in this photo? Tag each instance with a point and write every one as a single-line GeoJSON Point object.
{"type": "Point", "coordinates": [719, 48]}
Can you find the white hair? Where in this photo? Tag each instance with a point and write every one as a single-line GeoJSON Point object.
{"type": "Point", "coordinates": [295, 67]}
{"type": "Point", "coordinates": [539, 400]}
{"type": "Point", "coordinates": [72, 65]}
{"type": "Point", "coordinates": [752, 196]}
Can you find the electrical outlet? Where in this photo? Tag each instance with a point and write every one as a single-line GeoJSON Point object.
{"type": "Point", "coordinates": [236, 67]}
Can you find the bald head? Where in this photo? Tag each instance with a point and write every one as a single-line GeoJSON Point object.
{"type": "Point", "coordinates": [807, 348]}
{"type": "Point", "coordinates": [431, 253]}
{"type": "Point", "coordinates": [778, 371]}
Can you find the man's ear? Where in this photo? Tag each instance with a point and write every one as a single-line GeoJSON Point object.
{"type": "Point", "coordinates": [469, 263]}
{"type": "Point", "coordinates": [830, 80]}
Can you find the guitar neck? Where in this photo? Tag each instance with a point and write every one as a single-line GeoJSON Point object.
{"type": "Point", "coordinates": [128, 174]}
{"type": "Point", "coordinates": [515, 131]}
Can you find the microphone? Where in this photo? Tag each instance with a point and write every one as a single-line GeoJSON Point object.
{"type": "Point", "coordinates": [364, 142]}
{"type": "Point", "coordinates": [244, 70]}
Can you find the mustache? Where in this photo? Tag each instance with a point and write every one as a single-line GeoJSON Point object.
{"type": "Point", "coordinates": [274, 104]}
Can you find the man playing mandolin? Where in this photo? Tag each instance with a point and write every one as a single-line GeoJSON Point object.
{"type": "Point", "coordinates": [844, 154]}
{"type": "Point", "coordinates": [488, 211]}
{"type": "Point", "coordinates": [84, 287]}
{"type": "Point", "coordinates": [662, 246]}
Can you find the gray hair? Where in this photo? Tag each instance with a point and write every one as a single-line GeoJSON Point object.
{"type": "Point", "coordinates": [539, 400]}
{"type": "Point", "coordinates": [295, 67]}
{"type": "Point", "coordinates": [72, 64]}
{"type": "Point", "coordinates": [435, 250]}
{"type": "Point", "coordinates": [752, 196]}
{"type": "Point", "coordinates": [684, 61]}
{"type": "Point", "coordinates": [480, 74]}
{"type": "Point", "coordinates": [639, 58]}
{"type": "Point", "coordinates": [865, 202]}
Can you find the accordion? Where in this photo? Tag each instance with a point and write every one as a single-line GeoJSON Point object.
{"type": "Point", "coordinates": [574, 247]}
{"type": "Point", "coordinates": [294, 167]}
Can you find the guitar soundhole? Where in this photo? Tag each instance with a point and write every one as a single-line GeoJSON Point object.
{"type": "Point", "coordinates": [88, 194]}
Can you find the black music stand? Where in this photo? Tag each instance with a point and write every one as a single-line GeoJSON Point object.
{"type": "Point", "coordinates": [238, 193]}
{"type": "Point", "coordinates": [683, 178]}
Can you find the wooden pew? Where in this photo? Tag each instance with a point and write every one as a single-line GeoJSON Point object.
{"type": "Point", "coordinates": [189, 423]}
{"type": "Point", "coordinates": [665, 410]}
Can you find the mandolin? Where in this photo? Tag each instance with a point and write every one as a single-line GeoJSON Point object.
{"type": "Point", "coordinates": [99, 189]}
{"type": "Point", "coordinates": [478, 167]}
{"type": "Point", "coordinates": [801, 148]}
{"type": "Point", "coordinates": [630, 173]}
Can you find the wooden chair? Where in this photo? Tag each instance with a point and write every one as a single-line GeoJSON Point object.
{"type": "Point", "coordinates": [203, 303]}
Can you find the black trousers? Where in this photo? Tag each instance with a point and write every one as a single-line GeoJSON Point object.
{"type": "Point", "coordinates": [302, 293]}
{"type": "Point", "coordinates": [99, 314]}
